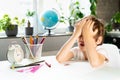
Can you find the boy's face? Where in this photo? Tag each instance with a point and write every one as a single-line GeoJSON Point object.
{"type": "Point", "coordinates": [81, 43]}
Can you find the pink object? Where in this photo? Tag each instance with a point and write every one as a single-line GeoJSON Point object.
{"type": "Point", "coordinates": [30, 69]}
{"type": "Point", "coordinates": [34, 69]}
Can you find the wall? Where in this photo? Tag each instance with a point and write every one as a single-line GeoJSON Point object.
{"type": "Point", "coordinates": [106, 8]}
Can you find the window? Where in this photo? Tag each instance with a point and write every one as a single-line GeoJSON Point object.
{"type": "Point", "coordinates": [15, 8]}
{"type": "Point", "coordinates": [19, 8]}
{"type": "Point", "coordinates": [49, 4]}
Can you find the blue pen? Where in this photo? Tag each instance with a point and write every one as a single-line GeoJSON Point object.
{"type": "Point", "coordinates": [36, 40]}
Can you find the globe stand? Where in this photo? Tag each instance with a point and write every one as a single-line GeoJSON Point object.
{"type": "Point", "coordinates": [49, 33]}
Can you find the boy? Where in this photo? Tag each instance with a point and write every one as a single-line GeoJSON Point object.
{"type": "Point", "coordinates": [89, 33]}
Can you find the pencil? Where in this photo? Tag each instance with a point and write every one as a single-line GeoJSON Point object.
{"type": "Point", "coordinates": [31, 40]}
{"type": "Point", "coordinates": [26, 43]}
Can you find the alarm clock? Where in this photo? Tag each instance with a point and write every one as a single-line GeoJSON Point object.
{"type": "Point", "coordinates": [15, 54]}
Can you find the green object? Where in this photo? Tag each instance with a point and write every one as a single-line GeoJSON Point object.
{"type": "Point", "coordinates": [6, 22]}
{"type": "Point", "coordinates": [30, 13]}
{"type": "Point", "coordinates": [108, 27]}
{"type": "Point", "coordinates": [49, 19]}
{"type": "Point", "coordinates": [114, 20]}
{"type": "Point", "coordinates": [116, 17]}
{"type": "Point", "coordinates": [93, 7]}
{"type": "Point", "coordinates": [75, 13]}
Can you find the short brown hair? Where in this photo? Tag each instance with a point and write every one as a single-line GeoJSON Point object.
{"type": "Point", "coordinates": [99, 25]}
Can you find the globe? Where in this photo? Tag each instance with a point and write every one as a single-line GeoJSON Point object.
{"type": "Point", "coordinates": [49, 19]}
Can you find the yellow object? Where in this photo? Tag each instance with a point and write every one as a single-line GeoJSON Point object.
{"type": "Point", "coordinates": [42, 19]}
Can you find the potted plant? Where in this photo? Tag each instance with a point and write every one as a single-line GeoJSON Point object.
{"type": "Point", "coordinates": [114, 23]}
{"type": "Point", "coordinates": [29, 28]}
{"type": "Point", "coordinates": [75, 14]}
{"type": "Point", "coordinates": [9, 25]}
{"type": "Point", "coordinates": [115, 20]}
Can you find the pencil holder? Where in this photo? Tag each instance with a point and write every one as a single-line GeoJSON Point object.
{"type": "Point", "coordinates": [33, 51]}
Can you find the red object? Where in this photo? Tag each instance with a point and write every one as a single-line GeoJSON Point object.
{"type": "Point", "coordinates": [42, 41]}
{"type": "Point", "coordinates": [49, 65]}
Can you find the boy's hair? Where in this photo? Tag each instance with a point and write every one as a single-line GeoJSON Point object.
{"type": "Point", "coordinates": [99, 26]}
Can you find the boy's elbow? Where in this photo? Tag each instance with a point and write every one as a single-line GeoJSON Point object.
{"type": "Point", "coordinates": [96, 64]}
{"type": "Point", "coordinates": [59, 59]}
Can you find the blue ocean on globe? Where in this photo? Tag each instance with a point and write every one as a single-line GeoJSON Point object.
{"type": "Point", "coordinates": [49, 19]}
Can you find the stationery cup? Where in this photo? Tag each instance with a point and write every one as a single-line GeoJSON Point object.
{"type": "Point", "coordinates": [33, 51]}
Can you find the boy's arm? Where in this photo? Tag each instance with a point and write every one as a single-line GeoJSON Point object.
{"type": "Point", "coordinates": [64, 54]}
{"type": "Point", "coordinates": [96, 59]}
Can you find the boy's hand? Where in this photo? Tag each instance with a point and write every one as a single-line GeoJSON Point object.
{"type": "Point", "coordinates": [78, 27]}
{"type": "Point", "coordinates": [88, 29]}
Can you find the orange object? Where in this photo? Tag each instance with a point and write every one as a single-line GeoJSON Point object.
{"type": "Point", "coordinates": [31, 40]}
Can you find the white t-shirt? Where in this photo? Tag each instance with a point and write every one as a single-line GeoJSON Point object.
{"type": "Point", "coordinates": [110, 51]}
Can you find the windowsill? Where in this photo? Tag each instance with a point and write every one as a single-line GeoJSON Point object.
{"type": "Point", "coordinates": [3, 36]}
{"type": "Point", "coordinates": [55, 34]}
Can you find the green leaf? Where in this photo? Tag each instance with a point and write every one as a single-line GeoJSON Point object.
{"type": "Point", "coordinates": [108, 27]}
{"type": "Point", "coordinates": [93, 1]}
{"type": "Point", "coordinates": [80, 15]}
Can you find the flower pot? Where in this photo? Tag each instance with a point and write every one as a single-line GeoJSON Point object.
{"type": "Point", "coordinates": [71, 28]}
{"type": "Point", "coordinates": [12, 32]}
{"type": "Point", "coordinates": [116, 26]}
{"type": "Point", "coordinates": [29, 30]}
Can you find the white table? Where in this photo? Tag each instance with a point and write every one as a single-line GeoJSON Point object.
{"type": "Point", "coordinates": [73, 71]}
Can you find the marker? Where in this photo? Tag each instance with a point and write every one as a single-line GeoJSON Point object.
{"type": "Point", "coordinates": [42, 41]}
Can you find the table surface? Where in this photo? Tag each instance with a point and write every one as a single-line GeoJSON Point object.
{"type": "Point", "coordinates": [72, 70]}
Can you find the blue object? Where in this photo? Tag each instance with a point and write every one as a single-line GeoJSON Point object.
{"type": "Point", "coordinates": [49, 19]}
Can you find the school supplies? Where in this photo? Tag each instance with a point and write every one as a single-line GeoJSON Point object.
{"type": "Point", "coordinates": [28, 65]}
{"type": "Point", "coordinates": [33, 47]}
{"type": "Point", "coordinates": [26, 44]}
{"type": "Point", "coordinates": [42, 41]}
{"type": "Point", "coordinates": [31, 40]}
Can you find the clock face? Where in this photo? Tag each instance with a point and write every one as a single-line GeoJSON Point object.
{"type": "Point", "coordinates": [18, 56]}
{"type": "Point", "coordinates": [15, 54]}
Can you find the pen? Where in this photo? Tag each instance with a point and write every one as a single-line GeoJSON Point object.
{"type": "Point", "coordinates": [25, 66]}
{"type": "Point", "coordinates": [42, 41]}
{"type": "Point", "coordinates": [36, 40]}
{"type": "Point", "coordinates": [31, 64]}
